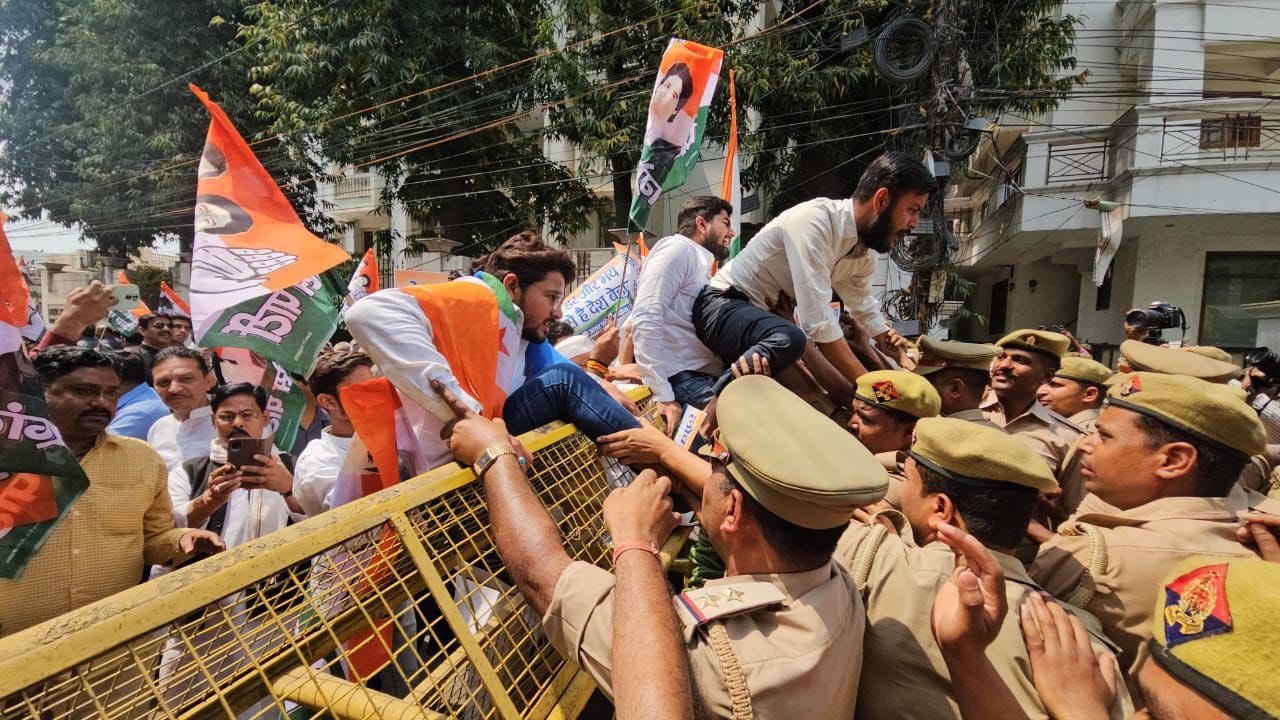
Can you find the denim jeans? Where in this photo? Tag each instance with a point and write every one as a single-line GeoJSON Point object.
{"type": "Point", "coordinates": [565, 392]}
{"type": "Point", "coordinates": [727, 322]}
{"type": "Point", "coordinates": [693, 388]}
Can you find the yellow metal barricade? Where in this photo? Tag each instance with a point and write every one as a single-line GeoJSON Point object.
{"type": "Point", "coordinates": [394, 606]}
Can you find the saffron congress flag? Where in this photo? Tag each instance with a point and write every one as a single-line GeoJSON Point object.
{"type": "Point", "coordinates": [364, 280]}
{"type": "Point", "coordinates": [682, 95]}
{"type": "Point", "coordinates": [258, 276]}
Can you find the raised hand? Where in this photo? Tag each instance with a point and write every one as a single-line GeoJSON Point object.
{"type": "Point", "coordinates": [971, 606]}
{"type": "Point", "coordinates": [225, 269]}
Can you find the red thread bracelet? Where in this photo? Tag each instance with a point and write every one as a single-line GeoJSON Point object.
{"type": "Point", "coordinates": [645, 546]}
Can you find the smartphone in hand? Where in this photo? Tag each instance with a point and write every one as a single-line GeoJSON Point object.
{"type": "Point", "coordinates": [127, 297]}
{"type": "Point", "coordinates": [240, 450]}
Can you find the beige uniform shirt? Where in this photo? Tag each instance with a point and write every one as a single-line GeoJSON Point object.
{"type": "Point", "coordinates": [1111, 562]}
{"type": "Point", "coordinates": [1049, 434]}
{"type": "Point", "coordinates": [1069, 477]}
{"type": "Point", "coordinates": [800, 656]}
{"type": "Point", "coordinates": [892, 462]}
{"type": "Point", "coordinates": [976, 415]}
{"type": "Point", "coordinates": [903, 674]}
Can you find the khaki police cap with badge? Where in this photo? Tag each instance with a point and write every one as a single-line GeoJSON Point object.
{"type": "Point", "coordinates": [899, 390]}
{"type": "Point", "coordinates": [1084, 370]}
{"type": "Point", "coordinates": [978, 455]}
{"type": "Point", "coordinates": [1211, 412]}
{"type": "Point", "coordinates": [938, 354]}
{"type": "Point", "coordinates": [1041, 341]}
{"type": "Point", "coordinates": [1172, 361]}
{"type": "Point", "coordinates": [1214, 631]}
{"type": "Point", "coordinates": [792, 459]}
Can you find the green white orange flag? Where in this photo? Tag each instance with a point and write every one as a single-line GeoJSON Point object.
{"type": "Point", "coordinates": [258, 276]}
{"type": "Point", "coordinates": [731, 182]}
{"type": "Point", "coordinates": [364, 281]}
{"type": "Point", "coordinates": [682, 95]}
{"type": "Point", "coordinates": [14, 296]}
{"type": "Point", "coordinates": [39, 477]}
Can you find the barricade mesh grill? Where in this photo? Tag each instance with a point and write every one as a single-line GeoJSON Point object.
{"type": "Point", "coordinates": [394, 606]}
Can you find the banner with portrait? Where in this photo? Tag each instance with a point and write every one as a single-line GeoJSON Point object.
{"type": "Point", "coordinates": [364, 280]}
{"type": "Point", "coordinates": [678, 110]}
{"type": "Point", "coordinates": [252, 255]}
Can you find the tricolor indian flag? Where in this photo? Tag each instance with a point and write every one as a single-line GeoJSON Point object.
{"type": "Point", "coordinates": [39, 477]}
{"type": "Point", "coordinates": [257, 274]}
{"type": "Point", "coordinates": [682, 95]}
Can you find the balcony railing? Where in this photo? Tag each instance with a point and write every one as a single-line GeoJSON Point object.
{"type": "Point", "coordinates": [1077, 162]}
{"type": "Point", "coordinates": [1221, 137]}
{"type": "Point", "coordinates": [352, 188]}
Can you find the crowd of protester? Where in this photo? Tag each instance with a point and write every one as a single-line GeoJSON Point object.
{"type": "Point", "coordinates": [887, 527]}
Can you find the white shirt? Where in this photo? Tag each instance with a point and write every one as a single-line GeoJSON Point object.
{"type": "Point", "coordinates": [316, 471]}
{"type": "Point", "coordinates": [178, 441]}
{"type": "Point", "coordinates": [806, 252]}
{"type": "Point", "coordinates": [674, 273]}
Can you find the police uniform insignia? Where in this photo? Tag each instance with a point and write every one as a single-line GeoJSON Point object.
{"type": "Point", "coordinates": [1196, 605]}
{"type": "Point", "coordinates": [1131, 386]}
{"type": "Point", "coordinates": [885, 391]}
{"type": "Point", "coordinates": [1029, 339]}
{"type": "Point", "coordinates": [698, 607]}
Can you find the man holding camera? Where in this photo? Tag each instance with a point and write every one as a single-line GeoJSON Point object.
{"type": "Point", "coordinates": [1261, 380]}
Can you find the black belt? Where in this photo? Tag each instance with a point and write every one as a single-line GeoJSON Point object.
{"type": "Point", "coordinates": [688, 375]}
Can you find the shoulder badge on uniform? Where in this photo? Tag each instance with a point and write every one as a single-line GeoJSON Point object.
{"type": "Point", "coordinates": [697, 607]}
{"type": "Point", "coordinates": [1195, 606]}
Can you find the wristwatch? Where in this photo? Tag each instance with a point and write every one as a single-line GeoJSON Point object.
{"type": "Point", "coordinates": [489, 456]}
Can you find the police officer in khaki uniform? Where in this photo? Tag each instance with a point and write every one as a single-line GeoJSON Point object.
{"type": "Point", "coordinates": [959, 371]}
{"type": "Point", "coordinates": [782, 633]}
{"type": "Point", "coordinates": [1165, 456]}
{"type": "Point", "coordinates": [1028, 359]}
{"type": "Point", "coordinates": [977, 478]}
{"type": "Point", "coordinates": [1076, 392]}
{"type": "Point", "coordinates": [886, 406]}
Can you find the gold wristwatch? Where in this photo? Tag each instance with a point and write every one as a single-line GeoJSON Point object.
{"type": "Point", "coordinates": [490, 456]}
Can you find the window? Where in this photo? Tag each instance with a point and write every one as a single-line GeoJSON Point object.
{"type": "Point", "coordinates": [1234, 131]}
{"type": "Point", "coordinates": [1232, 280]}
{"type": "Point", "coordinates": [999, 307]}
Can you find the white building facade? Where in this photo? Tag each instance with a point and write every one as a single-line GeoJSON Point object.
{"type": "Point", "coordinates": [1179, 123]}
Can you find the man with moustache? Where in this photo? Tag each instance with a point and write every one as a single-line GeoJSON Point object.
{"type": "Point", "coordinates": [121, 522]}
{"type": "Point", "coordinates": [676, 366]}
{"type": "Point", "coordinates": [1027, 360]}
{"type": "Point", "coordinates": [798, 259]}
{"type": "Point", "coordinates": [182, 380]}
{"type": "Point", "coordinates": [157, 334]}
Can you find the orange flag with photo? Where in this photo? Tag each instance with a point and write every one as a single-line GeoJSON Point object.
{"type": "Point", "coordinates": [249, 242]}
{"type": "Point", "coordinates": [13, 286]}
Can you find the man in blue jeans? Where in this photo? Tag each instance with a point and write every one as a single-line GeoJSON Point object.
{"type": "Point", "coordinates": [798, 260]}
{"type": "Point", "coordinates": [446, 333]}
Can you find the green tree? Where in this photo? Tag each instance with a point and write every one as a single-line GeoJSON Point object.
{"type": "Point", "coordinates": [148, 279]}
{"type": "Point", "coordinates": [388, 86]}
{"type": "Point", "coordinates": [98, 126]}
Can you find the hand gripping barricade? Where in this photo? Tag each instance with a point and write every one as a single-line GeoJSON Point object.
{"type": "Point", "coordinates": [392, 606]}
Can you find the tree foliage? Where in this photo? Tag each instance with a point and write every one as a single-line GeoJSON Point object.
{"type": "Point", "coordinates": [372, 85]}
{"type": "Point", "coordinates": [97, 127]}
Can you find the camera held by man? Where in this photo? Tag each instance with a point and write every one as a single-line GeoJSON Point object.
{"type": "Point", "coordinates": [1147, 324]}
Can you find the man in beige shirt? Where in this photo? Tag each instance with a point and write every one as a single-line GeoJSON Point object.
{"type": "Point", "coordinates": [959, 371]}
{"type": "Point", "coordinates": [781, 633]}
{"type": "Point", "coordinates": [121, 522]}
{"type": "Point", "coordinates": [976, 478]}
{"type": "Point", "coordinates": [1165, 455]}
{"type": "Point", "coordinates": [1027, 360]}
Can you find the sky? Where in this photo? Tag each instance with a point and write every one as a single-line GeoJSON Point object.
{"type": "Point", "coordinates": [50, 237]}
